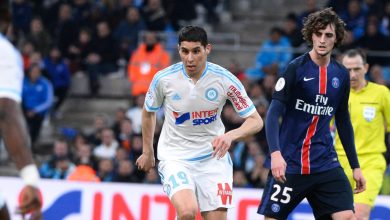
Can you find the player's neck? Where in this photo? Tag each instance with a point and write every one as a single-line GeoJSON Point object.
{"type": "Point", "coordinates": [320, 60]}
{"type": "Point", "coordinates": [361, 86]}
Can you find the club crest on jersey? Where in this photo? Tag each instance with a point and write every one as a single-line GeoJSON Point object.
{"type": "Point", "coordinates": [211, 94]}
{"type": "Point", "coordinates": [335, 82]}
{"type": "Point", "coordinates": [275, 207]}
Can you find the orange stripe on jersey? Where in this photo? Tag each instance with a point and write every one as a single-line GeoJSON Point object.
{"type": "Point", "coordinates": [323, 79]}
{"type": "Point", "coordinates": [305, 152]}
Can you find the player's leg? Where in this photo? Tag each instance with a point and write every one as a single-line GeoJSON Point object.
{"type": "Point", "coordinates": [185, 204]}
{"type": "Point", "coordinates": [331, 196]}
{"type": "Point", "coordinates": [220, 213]}
{"type": "Point", "coordinates": [279, 199]}
{"type": "Point", "coordinates": [4, 214]}
{"type": "Point", "coordinates": [373, 167]}
{"type": "Point", "coordinates": [179, 185]}
{"type": "Point", "coordinates": [214, 181]}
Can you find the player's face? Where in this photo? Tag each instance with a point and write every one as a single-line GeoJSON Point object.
{"type": "Point", "coordinates": [357, 71]}
{"type": "Point", "coordinates": [194, 57]}
{"type": "Point", "coordinates": [324, 40]}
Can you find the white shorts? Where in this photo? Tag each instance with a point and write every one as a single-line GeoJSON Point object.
{"type": "Point", "coordinates": [210, 179]}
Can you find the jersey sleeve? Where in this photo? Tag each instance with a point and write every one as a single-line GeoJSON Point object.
{"type": "Point", "coordinates": [237, 95]}
{"type": "Point", "coordinates": [11, 72]}
{"type": "Point", "coordinates": [284, 84]}
{"type": "Point", "coordinates": [155, 95]}
{"type": "Point", "coordinates": [386, 107]}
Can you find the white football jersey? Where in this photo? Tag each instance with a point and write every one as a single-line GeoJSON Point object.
{"type": "Point", "coordinates": [193, 111]}
{"type": "Point", "coordinates": [11, 71]}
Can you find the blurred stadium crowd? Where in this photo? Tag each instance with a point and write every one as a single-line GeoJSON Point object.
{"type": "Point", "coordinates": [59, 39]}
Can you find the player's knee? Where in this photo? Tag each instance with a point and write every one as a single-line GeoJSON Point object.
{"type": "Point", "coordinates": [187, 214]}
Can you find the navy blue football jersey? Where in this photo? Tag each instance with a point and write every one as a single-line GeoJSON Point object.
{"type": "Point", "coordinates": [312, 94]}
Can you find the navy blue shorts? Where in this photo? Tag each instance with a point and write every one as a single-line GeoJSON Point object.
{"type": "Point", "coordinates": [327, 193]}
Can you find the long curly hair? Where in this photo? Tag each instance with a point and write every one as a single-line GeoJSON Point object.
{"type": "Point", "coordinates": [319, 20]}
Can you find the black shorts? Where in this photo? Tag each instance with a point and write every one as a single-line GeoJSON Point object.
{"type": "Point", "coordinates": [327, 193]}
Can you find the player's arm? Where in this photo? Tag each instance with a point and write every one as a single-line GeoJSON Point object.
{"type": "Point", "coordinates": [272, 127]}
{"type": "Point", "coordinates": [252, 124]}
{"type": "Point", "coordinates": [14, 131]}
{"type": "Point", "coordinates": [146, 161]}
{"type": "Point", "coordinates": [386, 114]}
{"type": "Point", "coordinates": [345, 131]}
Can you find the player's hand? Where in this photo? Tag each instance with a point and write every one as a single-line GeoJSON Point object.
{"type": "Point", "coordinates": [278, 167]}
{"type": "Point", "coordinates": [221, 145]}
{"type": "Point", "coordinates": [145, 162]}
{"type": "Point", "coordinates": [360, 181]}
{"type": "Point", "coordinates": [30, 203]}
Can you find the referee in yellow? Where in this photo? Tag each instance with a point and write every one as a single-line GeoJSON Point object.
{"type": "Point", "coordinates": [369, 107]}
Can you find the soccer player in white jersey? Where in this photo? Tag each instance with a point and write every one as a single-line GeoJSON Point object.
{"type": "Point", "coordinates": [195, 168]}
{"type": "Point", "coordinates": [12, 125]}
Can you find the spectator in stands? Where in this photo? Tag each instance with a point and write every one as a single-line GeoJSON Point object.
{"type": "Point", "coordinates": [37, 99]}
{"type": "Point", "coordinates": [79, 50]}
{"type": "Point", "coordinates": [84, 156]}
{"type": "Point", "coordinates": [106, 170]}
{"type": "Point", "coordinates": [124, 172]}
{"type": "Point", "coordinates": [180, 12]}
{"type": "Point", "coordinates": [370, 7]}
{"type": "Point", "coordinates": [354, 19]}
{"type": "Point", "coordinates": [63, 168]}
{"type": "Point", "coordinates": [103, 57]}
{"type": "Point", "coordinates": [125, 135]}
{"type": "Point", "coordinates": [292, 32]}
{"type": "Point", "coordinates": [82, 10]}
{"type": "Point", "coordinates": [385, 21]}
{"type": "Point", "coordinates": [258, 174]}
{"type": "Point", "coordinates": [154, 15]}
{"type": "Point", "coordinates": [136, 149]}
{"type": "Point", "coordinates": [240, 180]}
{"type": "Point", "coordinates": [108, 146]}
{"type": "Point", "coordinates": [120, 115]}
{"type": "Point", "coordinates": [65, 29]}
{"type": "Point", "coordinates": [22, 13]}
{"type": "Point", "coordinates": [83, 173]}
{"type": "Point", "coordinates": [135, 112]}
{"type": "Point", "coordinates": [27, 51]}
{"type": "Point", "coordinates": [310, 7]}
{"type": "Point", "coordinates": [60, 149]}
{"type": "Point", "coordinates": [152, 177]}
{"type": "Point", "coordinates": [38, 35]}
{"type": "Point", "coordinates": [126, 33]}
{"type": "Point", "coordinates": [268, 84]}
{"type": "Point", "coordinates": [100, 122]}
{"type": "Point", "coordinates": [373, 39]}
{"type": "Point", "coordinates": [119, 12]}
{"type": "Point", "coordinates": [272, 57]}
{"type": "Point", "coordinates": [380, 75]}
{"type": "Point", "coordinates": [149, 58]}
{"type": "Point", "coordinates": [59, 75]}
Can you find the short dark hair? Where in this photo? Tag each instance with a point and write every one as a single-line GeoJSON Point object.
{"type": "Point", "coordinates": [319, 20]}
{"type": "Point", "coordinates": [193, 34]}
{"type": "Point", "coordinates": [356, 52]}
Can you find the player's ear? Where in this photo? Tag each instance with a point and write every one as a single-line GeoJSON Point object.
{"type": "Point", "coordinates": [208, 48]}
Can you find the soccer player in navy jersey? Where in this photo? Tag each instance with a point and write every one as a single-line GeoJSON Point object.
{"type": "Point", "coordinates": [303, 162]}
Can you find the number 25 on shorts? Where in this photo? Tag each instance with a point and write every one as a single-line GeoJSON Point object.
{"type": "Point", "coordinates": [285, 197]}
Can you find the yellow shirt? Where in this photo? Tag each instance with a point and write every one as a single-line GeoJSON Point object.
{"type": "Point", "coordinates": [369, 109]}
